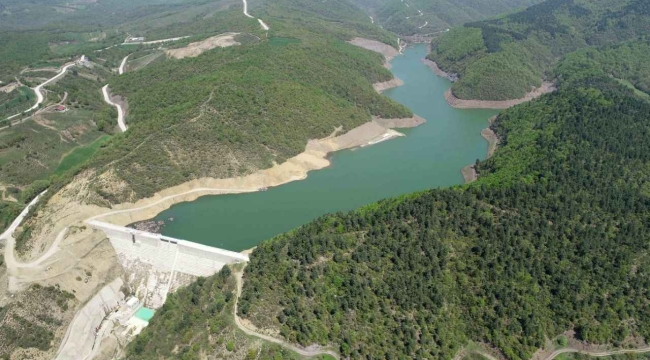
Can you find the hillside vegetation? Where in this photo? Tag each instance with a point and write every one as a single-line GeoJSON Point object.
{"type": "Point", "coordinates": [505, 58]}
{"type": "Point", "coordinates": [553, 236]}
{"type": "Point", "coordinates": [232, 111]}
{"type": "Point", "coordinates": [33, 32]}
{"type": "Point", "coordinates": [198, 319]}
{"type": "Point", "coordinates": [436, 15]}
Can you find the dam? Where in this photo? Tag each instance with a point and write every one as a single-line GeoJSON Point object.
{"type": "Point", "coordinates": [156, 265]}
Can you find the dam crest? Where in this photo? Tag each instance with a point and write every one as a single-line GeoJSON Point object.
{"type": "Point", "coordinates": [156, 265]}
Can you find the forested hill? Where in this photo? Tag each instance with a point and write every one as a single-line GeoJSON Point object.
{"type": "Point", "coordinates": [553, 236]}
{"type": "Point", "coordinates": [232, 111]}
{"type": "Point", "coordinates": [506, 57]}
{"type": "Point", "coordinates": [409, 17]}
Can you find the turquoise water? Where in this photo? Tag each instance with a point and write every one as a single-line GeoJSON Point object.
{"type": "Point", "coordinates": [144, 314]}
{"type": "Point", "coordinates": [430, 156]}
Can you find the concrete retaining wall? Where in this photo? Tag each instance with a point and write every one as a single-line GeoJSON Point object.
{"type": "Point", "coordinates": [153, 262]}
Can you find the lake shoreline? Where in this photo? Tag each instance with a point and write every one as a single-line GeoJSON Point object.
{"type": "Point", "coordinates": [314, 157]}
{"type": "Point", "coordinates": [453, 101]}
{"type": "Point", "coordinates": [438, 71]}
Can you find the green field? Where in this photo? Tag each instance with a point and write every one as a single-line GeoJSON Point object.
{"type": "Point", "coordinates": [280, 41]}
{"type": "Point", "coordinates": [135, 63]}
{"type": "Point", "coordinates": [80, 155]}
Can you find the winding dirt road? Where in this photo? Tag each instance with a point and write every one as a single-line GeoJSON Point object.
{"type": "Point", "coordinates": [120, 111]}
{"type": "Point", "coordinates": [242, 327]}
{"type": "Point", "coordinates": [262, 23]}
{"type": "Point", "coordinates": [559, 352]}
{"type": "Point", "coordinates": [556, 353]}
{"type": "Point", "coordinates": [123, 65]}
{"type": "Point", "coordinates": [8, 236]}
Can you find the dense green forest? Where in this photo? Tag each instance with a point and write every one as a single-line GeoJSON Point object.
{"type": "Point", "coordinates": [553, 236]}
{"type": "Point", "coordinates": [506, 57]}
{"type": "Point", "coordinates": [200, 317]}
{"type": "Point", "coordinates": [429, 16]}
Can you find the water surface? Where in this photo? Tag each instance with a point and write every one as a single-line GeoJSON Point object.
{"type": "Point", "coordinates": [145, 314]}
{"type": "Point", "coordinates": [430, 156]}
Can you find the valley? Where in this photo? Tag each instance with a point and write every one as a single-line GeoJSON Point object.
{"type": "Point", "coordinates": [474, 187]}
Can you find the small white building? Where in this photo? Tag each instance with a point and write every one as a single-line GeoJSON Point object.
{"type": "Point", "coordinates": [132, 303]}
{"type": "Point", "coordinates": [83, 60]}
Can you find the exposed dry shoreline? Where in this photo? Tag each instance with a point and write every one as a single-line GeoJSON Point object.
{"type": "Point", "coordinates": [469, 174]}
{"type": "Point", "coordinates": [382, 86]}
{"type": "Point", "coordinates": [438, 71]}
{"type": "Point", "coordinates": [457, 103]}
{"type": "Point", "coordinates": [491, 137]}
{"type": "Point", "coordinates": [314, 157]}
{"type": "Point", "coordinates": [388, 51]}
{"type": "Point", "coordinates": [70, 207]}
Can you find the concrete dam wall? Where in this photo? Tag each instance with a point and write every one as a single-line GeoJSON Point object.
{"type": "Point", "coordinates": [157, 265]}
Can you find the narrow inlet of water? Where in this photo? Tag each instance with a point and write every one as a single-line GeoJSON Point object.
{"type": "Point", "coordinates": [430, 156]}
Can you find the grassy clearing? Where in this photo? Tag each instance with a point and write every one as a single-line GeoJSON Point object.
{"type": "Point", "coordinates": [139, 63]}
{"type": "Point", "coordinates": [282, 41]}
{"type": "Point", "coordinates": [631, 86]}
{"type": "Point", "coordinates": [80, 155]}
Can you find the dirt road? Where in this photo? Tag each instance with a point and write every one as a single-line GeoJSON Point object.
{"type": "Point", "coordinates": [262, 23]}
{"type": "Point", "coordinates": [556, 353]}
{"type": "Point", "coordinates": [39, 94]}
{"type": "Point", "coordinates": [8, 236]}
{"type": "Point", "coordinates": [242, 327]}
{"type": "Point", "coordinates": [123, 65]}
{"type": "Point", "coordinates": [120, 111]}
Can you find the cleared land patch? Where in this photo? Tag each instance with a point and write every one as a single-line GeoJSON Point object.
{"type": "Point", "coordinates": [197, 48]}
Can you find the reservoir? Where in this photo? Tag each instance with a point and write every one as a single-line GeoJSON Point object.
{"type": "Point", "coordinates": [430, 156]}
